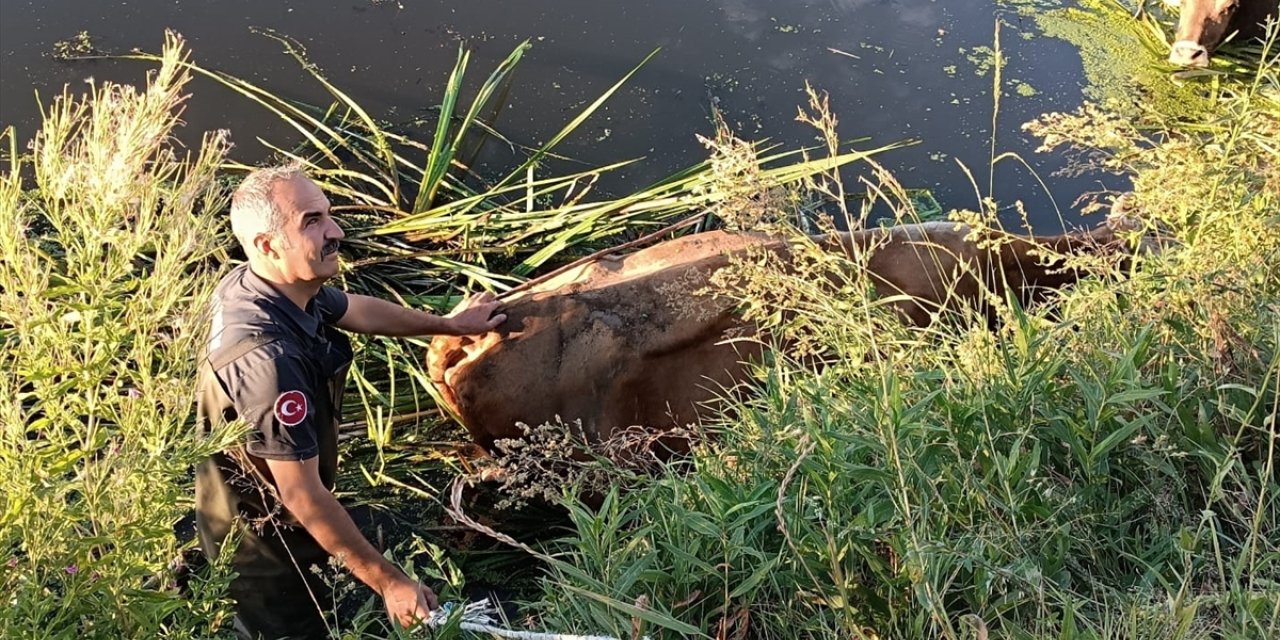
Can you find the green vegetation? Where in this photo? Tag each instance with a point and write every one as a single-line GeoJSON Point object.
{"type": "Point", "coordinates": [1123, 56]}
{"type": "Point", "coordinates": [1103, 469]}
{"type": "Point", "coordinates": [1108, 472]}
{"type": "Point", "coordinates": [76, 46]}
{"type": "Point", "coordinates": [423, 227]}
{"type": "Point", "coordinates": [104, 269]}
{"type": "Point", "coordinates": [112, 247]}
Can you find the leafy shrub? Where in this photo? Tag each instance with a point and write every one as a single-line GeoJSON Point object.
{"type": "Point", "coordinates": [106, 230]}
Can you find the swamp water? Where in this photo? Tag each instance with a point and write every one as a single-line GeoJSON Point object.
{"type": "Point", "coordinates": [895, 70]}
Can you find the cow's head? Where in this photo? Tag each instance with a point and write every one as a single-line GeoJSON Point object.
{"type": "Point", "coordinates": [1202, 26]}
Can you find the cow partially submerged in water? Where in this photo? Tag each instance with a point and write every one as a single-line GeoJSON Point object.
{"type": "Point", "coordinates": [1205, 24]}
{"type": "Point", "coordinates": [628, 340]}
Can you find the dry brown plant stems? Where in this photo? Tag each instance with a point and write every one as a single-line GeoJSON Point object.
{"type": "Point", "coordinates": [455, 511]}
{"type": "Point", "coordinates": [781, 512]}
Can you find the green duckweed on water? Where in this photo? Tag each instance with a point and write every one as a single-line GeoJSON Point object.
{"type": "Point", "coordinates": [1122, 62]}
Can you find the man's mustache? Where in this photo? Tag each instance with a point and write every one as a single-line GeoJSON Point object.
{"type": "Point", "coordinates": [330, 247]}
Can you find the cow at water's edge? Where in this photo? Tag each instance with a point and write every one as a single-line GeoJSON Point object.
{"type": "Point", "coordinates": [1205, 24]}
{"type": "Point", "coordinates": [625, 341]}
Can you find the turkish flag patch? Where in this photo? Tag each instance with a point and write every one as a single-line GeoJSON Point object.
{"type": "Point", "coordinates": [291, 408]}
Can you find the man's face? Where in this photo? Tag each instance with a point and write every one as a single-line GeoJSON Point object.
{"type": "Point", "coordinates": [306, 250]}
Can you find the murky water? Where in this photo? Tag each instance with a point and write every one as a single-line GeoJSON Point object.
{"type": "Point", "coordinates": [895, 69]}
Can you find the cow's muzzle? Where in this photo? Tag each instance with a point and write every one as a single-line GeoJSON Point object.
{"type": "Point", "coordinates": [1186, 53]}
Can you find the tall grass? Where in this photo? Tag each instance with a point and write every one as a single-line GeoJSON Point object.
{"type": "Point", "coordinates": [1104, 471]}
{"type": "Point", "coordinates": [106, 236]}
{"type": "Point", "coordinates": [112, 250]}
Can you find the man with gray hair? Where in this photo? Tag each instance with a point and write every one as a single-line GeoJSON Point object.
{"type": "Point", "coordinates": [277, 360]}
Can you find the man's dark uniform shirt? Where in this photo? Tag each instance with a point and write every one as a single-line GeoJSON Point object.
{"type": "Point", "coordinates": [282, 370]}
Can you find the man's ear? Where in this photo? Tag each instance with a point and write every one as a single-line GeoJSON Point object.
{"type": "Point", "coordinates": [268, 244]}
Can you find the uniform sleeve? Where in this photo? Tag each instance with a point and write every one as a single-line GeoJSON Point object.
{"type": "Point", "coordinates": [332, 304]}
{"type": "Point", "coordinates": [276, 397]}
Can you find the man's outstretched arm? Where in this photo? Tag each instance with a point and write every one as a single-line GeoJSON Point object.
{"type": "Point", "coordinates": [366, 314]}
{"type": "Point", "coordinates": [324, 518]}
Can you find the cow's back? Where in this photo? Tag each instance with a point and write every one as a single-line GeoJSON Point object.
{"type": "Point", "coordinates": [620, 341]}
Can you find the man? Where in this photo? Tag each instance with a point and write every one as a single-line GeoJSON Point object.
{"type": "Point", "coordinates": [276, 360]}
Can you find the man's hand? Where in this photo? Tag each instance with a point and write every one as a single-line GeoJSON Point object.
{"type": "Point", "coordinates": [408, 602]}
{"type": "Point", "coordinates": [298, 482]}
{"type": "Point", "coordinates": [475, 315]}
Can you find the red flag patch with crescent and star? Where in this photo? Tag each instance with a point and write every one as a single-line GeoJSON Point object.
{"type": "Point", "coordinates": [291, 408]}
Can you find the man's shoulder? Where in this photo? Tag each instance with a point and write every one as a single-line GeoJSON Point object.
{"type": "Point", "coordinates": [262, 365]}
{"type": "Point", "coordinates": [238, 314]}
{"type": "Point", "coordinates": [232, 279]}
{"type": "Point", "coordinates": [255, 343]}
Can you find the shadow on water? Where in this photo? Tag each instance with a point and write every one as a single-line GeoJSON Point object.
{"type": "Point", "coordinates": [900, 69]}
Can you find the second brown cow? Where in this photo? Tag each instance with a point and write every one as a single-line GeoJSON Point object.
{"type": "Point", "coordinates": [1205, 24]}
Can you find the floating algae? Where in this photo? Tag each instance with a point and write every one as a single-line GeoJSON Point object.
{"type": "Point", "coordinates": [1125, 72]}
{"type": "Point", "coordinates": [983, 59]}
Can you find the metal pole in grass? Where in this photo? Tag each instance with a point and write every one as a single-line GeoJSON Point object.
{"type": "Point", "coordinates": [476, 616]}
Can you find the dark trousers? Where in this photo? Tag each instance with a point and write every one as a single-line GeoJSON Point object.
{"type": "Point", "coordinates": [279, 591]}
{"type": "Point", "coordinates": [280, 602]}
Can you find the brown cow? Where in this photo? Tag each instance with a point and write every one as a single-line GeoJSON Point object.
{"type": "Point", "coordinates": [1205, 24]}
{"type": "Point", "coordinates": [627, 340]}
